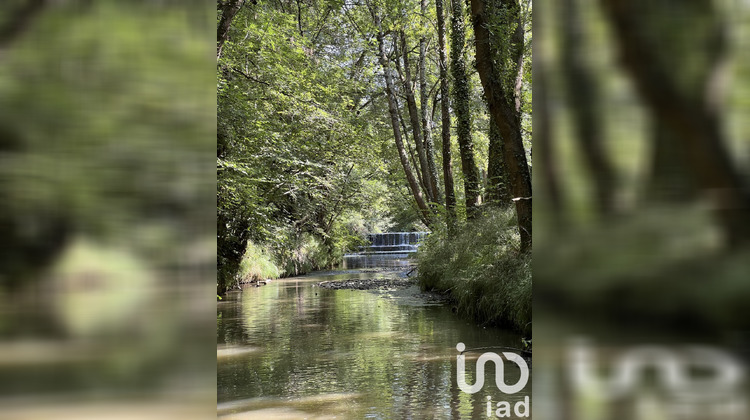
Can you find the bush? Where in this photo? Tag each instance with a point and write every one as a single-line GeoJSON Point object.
{"type": "Point", "coordinates": [286, 253]}
{"type": "Point", "coordinates": [481, 270]}
{"type": "Point", "coordinates": [257, 264]}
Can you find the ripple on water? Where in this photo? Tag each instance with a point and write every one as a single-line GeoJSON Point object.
{"type": "Point", "coordinates": [223, 352]}
{"type": "Point", "coordinates": [328, 406]}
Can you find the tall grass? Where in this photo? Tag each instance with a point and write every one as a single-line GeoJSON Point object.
{"type": "Point", "coordinates": [287, 257]}
{"type": "Point", "coordinates": [257, 264]}
{"type": "Point", "coordinates": [301, 254]}
{"type": "Point", "coordinates": [481, 270]}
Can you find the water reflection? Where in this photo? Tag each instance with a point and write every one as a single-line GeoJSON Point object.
{"type": "Point", "coordinates": [293, 350]}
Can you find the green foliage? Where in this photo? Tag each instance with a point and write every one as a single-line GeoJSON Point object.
{"type": "Point", "coordinates": [299, 254]}
{"type": "Point", "coordinates": [502, 28]}
{"type": "Point", "coordinates": [306, 163]}
{"type": "Point", "coordinates": [105, 115]}
{"type": "Point", "coordinates": [257, 264]}
{"type": "Point", "coordinates": [481, 271]}
{"type": "Point", "coordinates": [662, 267]}
{"type": "Point", "coordinates": [287, 165]}
{"type": "Point", "coordinates": [103, 285]}
{"type": "Point", "coordinates": [106, 119]}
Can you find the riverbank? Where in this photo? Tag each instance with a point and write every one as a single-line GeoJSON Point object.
{"type": "Point", "coordinates": [480, 271]}
{"type": "Point", "coordinates": [287, 256]}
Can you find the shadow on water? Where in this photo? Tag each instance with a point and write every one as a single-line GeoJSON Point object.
{"type": "Point", "coordinates": [293, 350]}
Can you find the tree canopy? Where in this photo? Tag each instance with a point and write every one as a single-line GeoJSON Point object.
{"type": "Point", "coordinates": [326, 114]}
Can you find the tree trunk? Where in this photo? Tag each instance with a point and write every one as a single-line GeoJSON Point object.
{"type": "Point", "coordinates": [429, 146]}
{"type": "Point", "coordinates": [445, 122]}
{"type": "Point", "coordinates": [698, 129]}
{"type": "Point", "coordinates": [414, 119]}
{"type": "Point", "coordinates": [669, 177]}
{"type": "Point", "coordinates": [393, 110]}
{"type": "Point", "coordinates": [23, 17]}
{"type": "Point", "coordinates": [543, 147]}
{"type": "Point", "coordinates": [229, 9]}
{"type": "Point", "coordinates": [410, 150]}
{"type": "Point", "coordinates": [462, 110]}
{"type": "Point", "coordinates": [583, 99]}
{"type": "Point", "coordinates": [504, 104]}
{"type": "Point", "coordinates": [498, 192]}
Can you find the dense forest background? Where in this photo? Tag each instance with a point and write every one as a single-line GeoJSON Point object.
{"type": "Point", "coordinates": [338, 118]}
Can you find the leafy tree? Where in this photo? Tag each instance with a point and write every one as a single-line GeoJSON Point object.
{"type": "Point", "coordinates": [680, 106]}
{"type": "Point", "coordinates": [500, 23]}
{"type": "Point", "coordinates": [325, 120]}
{"type": "Point", "coordinates": [445, 119]}
{"type": "Point", "coordinates": [461, 103]}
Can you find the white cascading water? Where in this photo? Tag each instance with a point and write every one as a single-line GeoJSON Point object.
{"type": "Point", "coordinates": [393, 242]}
{"type": "Point", "coordinates": [385, 249]}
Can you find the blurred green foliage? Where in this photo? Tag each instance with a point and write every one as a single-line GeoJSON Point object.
{"type": "Point", "coordinates": [660, 259]}
{"type": "Point", "coordinates": [107, 122]}
{"type": "Point", "coordinates": [108, 132]}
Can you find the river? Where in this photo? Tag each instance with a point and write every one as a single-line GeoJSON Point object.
{"type": "Point", "coordinates": [291, 350]}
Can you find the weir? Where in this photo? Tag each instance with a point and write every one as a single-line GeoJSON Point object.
{"type": "Point", "coordinates": [389, 249]}
{"type": "Point", "coordinates": [393, 242]}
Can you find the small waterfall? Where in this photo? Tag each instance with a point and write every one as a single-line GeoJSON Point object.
{"type": "Point", "coordinates": [389, 249]}
{"type": "Point", "coordinates": [393, 242]}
